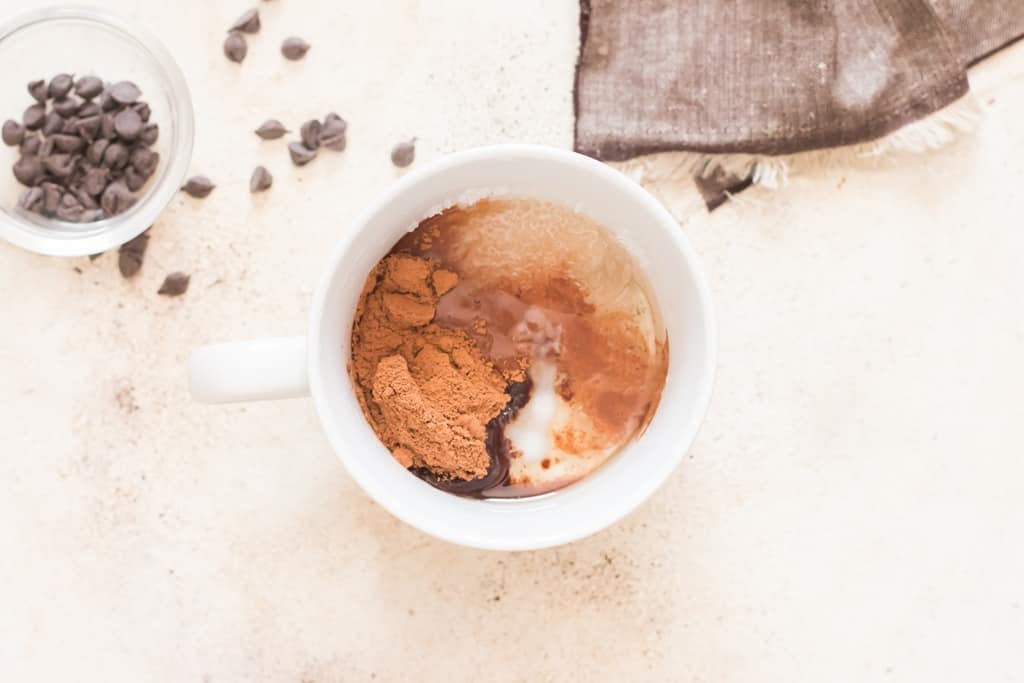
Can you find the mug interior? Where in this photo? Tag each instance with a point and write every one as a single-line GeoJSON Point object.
{"type": "Point", "coordinates": [677, 284]}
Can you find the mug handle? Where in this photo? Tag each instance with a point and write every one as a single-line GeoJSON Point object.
{"type": "Point", "coordinates": [256, 370]}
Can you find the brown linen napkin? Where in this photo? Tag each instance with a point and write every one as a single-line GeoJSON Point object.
{"type": "Point", "coordinates": [772, 77]}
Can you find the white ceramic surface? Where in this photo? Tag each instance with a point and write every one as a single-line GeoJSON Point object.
{"type": "Point", "coordinates": [281, 368]}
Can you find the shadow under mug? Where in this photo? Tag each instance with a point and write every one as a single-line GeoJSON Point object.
{"type": "Point", "coordinates": [317, 364]}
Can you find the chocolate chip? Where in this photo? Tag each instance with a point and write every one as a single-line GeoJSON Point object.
{"type": "Point", "coordinates": [404, 153]}
{"type": "Point", "coordinates": [70, 126]}
{"type": "Point", "coordinates": [144, 160]}
{"type": "Point", "coordinates": [68, 143]}
{"type": "Point", "coordinates": [27, 170]}
{"type": "Point", "coordinates": [133, 179]}
{"type": "Point", "coordinates": [116, 198]}
{"type": "Point", "coordinates": [37, 89]}
{"type": "Point", "coordinates": [95, 181]}
{"type": "Point", "coordinates": [131, 254]}
{"type": "Point", "coordinates": [115, 156]}
{"type": "Point", "coordinates": [59, 165]}
{"type": "Point", "coordinates": [30, 144]}
{"type": "Point", "coordinates": [90, 215]}
{"type": "Point", "coordinates": [198, 186]}
{"type": "Point", "coordinates": [60, 86]}
{"type": "Point", "coordinates": [261, 180]}
{"type": "Point", "coordinates": [174, 284]}
{"type": "Point", "coordinates": [88, 87]}
{"type": "Point", "coordinates": [294, 48]}
{"type": "Point", "coordinates": [31, 199]}
{"type": "Point", "coordinates": [127, 124]}
{"type": "Point", "coordinates": [300, 154]}
{"type": "Point", "coordinates": [149, 134]}
{"type": "Point", "coordinates": [107, 127]}
{"type": "Point", "coordinates": [271, 129]}
{"type": "Point", "coordinates": [125, 92]}
{"type": "Point", "coordinates": [332, 134]}
{"type": "Point", "coordinates": [87, 109]}
{"type": "Point", "coordinates": [249, 22]}
{"type": "Point", "coordinates": [107, 102]}
{"type": "Point", "coordinates": [70, 209]}
{"type": "Point", "coordinates": [46, 148]}
{"type": "Point", "coordinates": [95, 152]}
{"type": "Point", "coordinates": [13, 133]}
{"type": "Point", "coordinates": [310, 133]}
{"type": "Point", "coordinates": [143, 110]}
{"type": "Point", "coordinates": [88, 127]}
{"type": "Point", "coordinates": [235, 47]}
{"type": "Point", "coordinates": [34, 116]}
{"type": "Point", "coordinates": [53, 123]}
{"type": "Point", "coordinates": [66, 107]}
{"type": "Point", "coordinates": [85, 198]}
{"type": "Point", "coordinates": [51, 198]}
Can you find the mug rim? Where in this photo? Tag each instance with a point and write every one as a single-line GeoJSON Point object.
{"type": "Point", "coordinates": [607, 514]}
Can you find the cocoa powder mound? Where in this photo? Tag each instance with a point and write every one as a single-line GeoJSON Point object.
{"type": "Point", "coordinates": [426, 390]}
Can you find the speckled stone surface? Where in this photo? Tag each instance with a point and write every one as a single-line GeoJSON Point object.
{"type": "Point", "coordinates": [851, 511]}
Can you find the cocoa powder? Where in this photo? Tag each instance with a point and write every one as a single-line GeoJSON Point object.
{"type": "Point", "coordinates": [427, 390]}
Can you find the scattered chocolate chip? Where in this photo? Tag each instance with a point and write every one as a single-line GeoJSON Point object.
{"type": "Point", "coordinates": [130, 255]}
{"type": "Point", "coordinates": [69, 126]}
{"type": "Point", "coordinates": [127, 124]}
{"type": "Point", "coordinates": [235, 47]}
{"type": "Point", "coordinates": [115, 156]}
{"type": "Point", "coordinates": [404, 153]}
{"type": "Point", "coordinates": [271, 129]}
{"type": "Point", "coordinates": [87, 109]}
{"type": "Point", "coordinates": [310, 133]}
{"type": "Point", "coordinates": [31, 198]}
{"type": "Point", "coordinates": [300, 154]}
{"type": "Point", "coordinates": [37, 89]}
{"type": "Point", "coordinates": [88, 87]}
{"type": "Point", "coordinates": [88, 127]}
{"type": "Point", "coordinates": [27, 170]}
{"type": "Point", "coordinates": [30, 144]}
{"type": "Point", "coordinates": [95, 152]}
{"type": "Point", "coordinates": [60, 86]}
{"type": "Point", "coordinates": [294, 48]}
{"type": "Point", "coordinates": [144, 161]}
{"type": "Point", "coordinates": [198, 186]}
{"type": "Point", "coordinates": [66, 107]}
{"type": "Point", "coordinates": [46, 148]}
{"type": "Point", "coordinates": [13, 133]}
{"type": "Point", "coordinates": [332, 134]}
{"type": "Point", "coordinates": [174, 284]}
{"type": "Point", "coordinates": [261, 180]}
{"type": "Point", "coordinates": [125, 92]}
{"type": "Point", "coordinates": [95, 181]}
{"type": "Point", "coordinates": [68, 143]}
{"type": "Point", "coordinates": [116, 198]}
{"type": "Point", "coordinates": [249, 22]}
{"type": "Point", "coordinates": [34, 116]}
{"type": "Point", "coordinates": [149, 134]}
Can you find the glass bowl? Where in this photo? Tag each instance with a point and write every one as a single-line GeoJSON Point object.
{"type": "Point", "coordinates": [83, 41]}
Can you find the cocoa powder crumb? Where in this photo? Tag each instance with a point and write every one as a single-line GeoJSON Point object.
{"type": "Point", "coordinates": [426, 390]}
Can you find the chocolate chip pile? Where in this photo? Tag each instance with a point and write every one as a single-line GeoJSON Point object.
{"type": "Point", "coordinates": [84, 148]}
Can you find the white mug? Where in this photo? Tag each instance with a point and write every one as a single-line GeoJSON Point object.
{"type": "Point", "coordinates": [317, 364]}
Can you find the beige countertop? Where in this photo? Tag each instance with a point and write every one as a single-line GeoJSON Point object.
{"type": "Point", "coordinates": [851, 511]}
